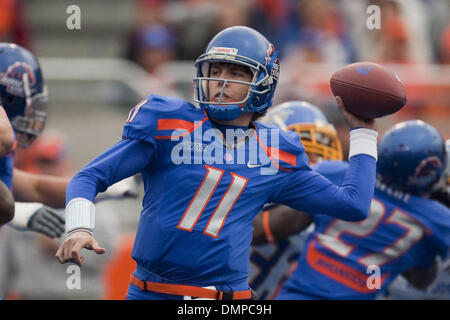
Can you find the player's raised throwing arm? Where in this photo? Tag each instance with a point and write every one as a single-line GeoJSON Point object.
{"type": "Point", "coordinates": [310, 192]}
{"type": "Point", "coordinates": [128, 157]}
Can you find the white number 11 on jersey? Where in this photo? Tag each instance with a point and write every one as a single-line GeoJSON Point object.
{"type": "Point", "coordinates": [202, 197]}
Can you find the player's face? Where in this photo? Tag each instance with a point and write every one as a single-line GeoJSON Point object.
{"type": "Point", "coordinates": [233, 92]}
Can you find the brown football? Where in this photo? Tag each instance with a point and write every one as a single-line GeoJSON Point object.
{"type": "Point", "coordinates": [368, 90]}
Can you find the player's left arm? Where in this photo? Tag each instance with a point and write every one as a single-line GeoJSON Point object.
{"type": "Point", "coordinates": [421, 278]}
{"type": "Point", "coordinates": [278, 222]}
{"type": "Point", "coordinates": [49, 190]}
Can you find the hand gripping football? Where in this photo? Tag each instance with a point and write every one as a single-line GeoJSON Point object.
{"type": "Point", "coordinates": [368, 90]}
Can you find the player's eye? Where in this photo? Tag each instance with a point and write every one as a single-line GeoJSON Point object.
{"type": "Point", "coordinates": [215, 72]}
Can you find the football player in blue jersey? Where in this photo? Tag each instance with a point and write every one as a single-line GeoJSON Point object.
{"type": "Point", "coordinates": [272, 256]}
{"type": "Point", "coordinates": [439, 289]}
{"type": "Point", "coordinates": [403, 234]}
{"type": "Point", "coordinates": [21, 94]}
{"type": "Point", "coordinates": [207, 173]}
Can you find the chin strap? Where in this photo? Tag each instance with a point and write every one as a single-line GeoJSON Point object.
{"type": "Point", "coordinates": [223, 112]}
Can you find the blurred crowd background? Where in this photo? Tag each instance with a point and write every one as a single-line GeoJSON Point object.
{"type": "Point", "coordinates": [126, 50]}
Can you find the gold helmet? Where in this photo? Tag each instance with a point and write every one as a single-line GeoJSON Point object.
{"type": "Point", "coordinates": [318, 136]}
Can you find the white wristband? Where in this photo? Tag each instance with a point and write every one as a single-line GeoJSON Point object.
{"type": "Point", "coordinates": [22, 214]}
{"type": "Point", "coordinates": [363, 141]}
{"type": "Point", "coordinates": [80, 214]}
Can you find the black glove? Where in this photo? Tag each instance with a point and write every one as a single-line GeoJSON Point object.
{"type": "Point", "coordinates": [48, 222]}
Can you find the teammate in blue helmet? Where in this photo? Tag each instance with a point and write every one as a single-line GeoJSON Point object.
{"type": "Point", "coordinates": [437, 290]}
{"type": "Point", "coordinates": [318, 136]}
{"type": "Point", "coordinates": [22, 93]}
{"type": "Point", "coordinates": [203, 189]}
{"type": "Point", "coordinates": [412, 157]}
{"type": "Point", "coordinates": [403, 234]}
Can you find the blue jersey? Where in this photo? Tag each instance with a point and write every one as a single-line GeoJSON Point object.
{"type": "Point", "coordinates": [272, 263]}
{"type": "Point", "coordinates": [342, 260]}
{"type": "Point", "coordinates": [202, 191]}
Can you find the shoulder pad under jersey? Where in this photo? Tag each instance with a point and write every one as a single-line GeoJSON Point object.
{"type": "Point", "coordinates": [160, 117]}
{"type": "Point", "coordinates": [283, 147]}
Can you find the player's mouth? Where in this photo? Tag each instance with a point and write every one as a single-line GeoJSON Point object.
{"type": "Point", "coordinates": [223, 98]}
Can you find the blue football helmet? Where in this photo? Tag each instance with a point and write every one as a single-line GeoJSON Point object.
{"type": "Point", "coordinates": [317, 135]}
{"type": "Point", "coordinates": [411, 157]}
{"type": "Point", "coordinates": [243, 46]}
{"type": "Point", "coordinates": [22, 92]}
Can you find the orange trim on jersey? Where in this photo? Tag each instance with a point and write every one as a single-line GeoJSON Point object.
{"type": "Point", "coordinates": [282, 155]}
{"type": "Point", "coordinates": [178, 124]}
{"type": "Point", "coordinates": [266, 227]}
{"type": "Point", "coordinates": [185, 290]}
{"type": "Point", "coordinates": [174, 124]}
{"type": "Point", "coordinates": [336, 270]}
{"type": "Point", "coordinates": [133, 112]}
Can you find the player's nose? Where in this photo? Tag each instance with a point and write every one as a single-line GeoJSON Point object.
{"type": "Point", "coordinates": [219, 83]}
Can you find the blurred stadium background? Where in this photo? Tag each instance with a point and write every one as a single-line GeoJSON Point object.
{"type": "Point", "coordinates": [126, 50]}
